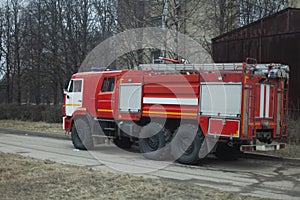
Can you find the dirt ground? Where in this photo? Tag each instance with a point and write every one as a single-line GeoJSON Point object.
{"type": "Point", "coordinates": [28, 178]}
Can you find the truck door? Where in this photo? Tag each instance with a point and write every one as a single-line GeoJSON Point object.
{"type": "Point", "coordinates": [74, 96]}
{"type": "Point", "coordinates": [105, 101]}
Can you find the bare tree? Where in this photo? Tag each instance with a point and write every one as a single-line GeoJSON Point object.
{"type": "Point", "coordinates": [252, 10]}
{"type": "Point", "coordinates": [16, 48]}
{"type": "Point", "coordinates": [34, 43]}
{"type": "Point", "coordinates": [44, 42]}
{"type": "Point", "coordinates": [1, 46]}
{"type": "Point", "coordinates": [105, 21]}
{"type": "Point", "coordinates": [7, 52]}
{"type": "Point", "coordinates": [132, 15]}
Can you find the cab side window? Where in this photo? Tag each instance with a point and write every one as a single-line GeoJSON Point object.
{"type": "Point", "coordinates": [108, 84]}
{"type": "Point", "coordinates": [75, 86]}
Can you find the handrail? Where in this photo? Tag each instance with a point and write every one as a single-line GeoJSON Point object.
{"type": "Point", "coordinates": [178, 67]}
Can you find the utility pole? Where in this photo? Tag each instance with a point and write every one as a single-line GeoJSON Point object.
{"type": "Point", "coordinates": [164, 25]}
{"type": "Point", "coordinates": [177, 13]}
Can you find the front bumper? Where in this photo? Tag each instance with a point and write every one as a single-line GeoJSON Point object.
{"type": "Point", "coordinates": [67, 123]}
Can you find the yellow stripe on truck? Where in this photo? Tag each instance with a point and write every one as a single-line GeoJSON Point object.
{"type": "Point", "coordinates": [105, 110]}
{"type": "Point", "coordinates": [73, 104]}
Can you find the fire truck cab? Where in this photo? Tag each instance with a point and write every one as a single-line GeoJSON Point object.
{"type": "Point", "coordinates": [173, 110]}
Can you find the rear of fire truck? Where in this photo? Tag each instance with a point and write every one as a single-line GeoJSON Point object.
{"type": "Point", "coordinates": [246, 106]}
{"type": "Point", "coordinates": [265, 107]}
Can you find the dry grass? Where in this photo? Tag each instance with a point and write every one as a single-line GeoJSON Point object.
{"type": "Point", "coordinates": [32, 126]}
{"type": "Point", "coordinates": [294, 130]}
{"type": "Point", "coordinates": [291, 151]}
{"type": "Point", "coordinates": [27, 178]}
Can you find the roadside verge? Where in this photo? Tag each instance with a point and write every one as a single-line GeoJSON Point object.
{"type": "Point", "coordinates": [37, 134]}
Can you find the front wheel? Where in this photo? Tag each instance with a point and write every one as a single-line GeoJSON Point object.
{"type": "Point", "coordinates": [81, 135]}
{"type": "Point", "coordinates": [186, 144]}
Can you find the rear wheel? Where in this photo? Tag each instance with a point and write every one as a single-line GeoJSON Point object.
{"type": "Point", "coordinates": [186, 144]}
{"type": "Point", "coordinates": [152, 141]}
{"type": "Point", "coordinates": [81, 135]}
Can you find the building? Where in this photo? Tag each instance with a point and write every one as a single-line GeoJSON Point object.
{"type": "Point", "coordinates": [275, 38]}
{"type": "Point", "coordinates": [179, 16]}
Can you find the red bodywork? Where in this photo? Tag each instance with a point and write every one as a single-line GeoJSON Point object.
{"type": "Point", "coordinates": [177, 95]}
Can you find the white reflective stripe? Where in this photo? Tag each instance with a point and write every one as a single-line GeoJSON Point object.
{"type": "Point", "coordinates": [267, 101]}
{"type": "Point", "coordinates": [171, 101]}
{"type": "Point", "coordinates": [278, 113]}
{"type": "Point", "coordinates": [64, 124]}
{"type": "Point", "coordinates": [262, 100]}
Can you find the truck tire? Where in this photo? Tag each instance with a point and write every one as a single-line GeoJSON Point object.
{"type": "Point", "coordinates": [123, 143]}
{"type": "Point", "coordinates": [154, 146]}
{"type": "Point", "coordinates": [81, 135]}
{"type": "Point", "coordinates": [186, 144]}
{"type": "Point", "coordinates": [227, 153]}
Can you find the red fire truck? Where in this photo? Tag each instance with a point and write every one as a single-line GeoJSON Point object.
{"type": "Point", "coordinates": [171, 109]}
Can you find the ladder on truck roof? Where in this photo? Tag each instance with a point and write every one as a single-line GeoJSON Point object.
{"type": "Point", "coordinates": [190, 67]}
{"type": "Point", "coordinates": [269, 70]}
